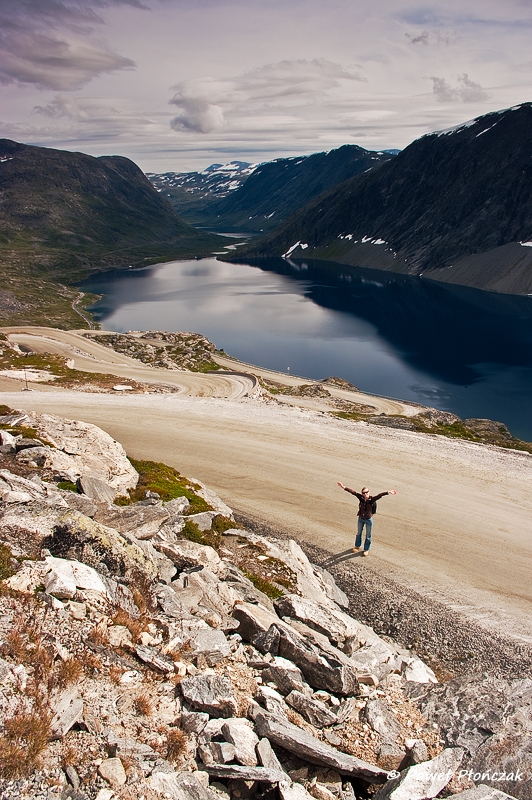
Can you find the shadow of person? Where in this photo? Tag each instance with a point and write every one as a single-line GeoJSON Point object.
{"type": "Point", "coordinates": [345, 555]}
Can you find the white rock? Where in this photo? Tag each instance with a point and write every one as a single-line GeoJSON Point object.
{"type": "Point", "coordinates": [418, 672]}
{"type": "Point", "coordinates": [112, 770]}
{"type": "Point", "coordinates": [239, 733]}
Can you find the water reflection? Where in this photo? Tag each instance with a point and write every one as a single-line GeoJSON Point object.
{"type": "Point", "coordinates": [450, 347]}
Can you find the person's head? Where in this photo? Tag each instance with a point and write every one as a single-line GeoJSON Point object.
{"type": "Point", "coordinates": [365, 491]}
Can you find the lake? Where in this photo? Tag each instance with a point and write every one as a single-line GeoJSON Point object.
{"type": "Point", "coordinates": [453, 348]}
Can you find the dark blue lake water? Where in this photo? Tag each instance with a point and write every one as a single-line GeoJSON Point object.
{"type": "Point", "coordinates": [452, 348]}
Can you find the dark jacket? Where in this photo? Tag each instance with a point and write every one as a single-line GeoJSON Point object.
{"type": "Point", "coordinates": [365, 505]}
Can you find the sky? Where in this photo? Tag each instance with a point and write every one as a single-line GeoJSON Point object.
{"type": "Point", "coordinates": [177, 85]}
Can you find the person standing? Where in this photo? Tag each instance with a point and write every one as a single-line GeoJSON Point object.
{"type": "Point", "coordinates": [366, 509]}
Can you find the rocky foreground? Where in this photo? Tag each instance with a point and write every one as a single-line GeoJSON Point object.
{"type": "Point", "coordinates": [151, 647]}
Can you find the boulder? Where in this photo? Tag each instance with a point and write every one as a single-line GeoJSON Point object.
{"type": "Point", "coordinates": [176, 507]}
{"type": "Point", "coordinates": [272, 701]}
{"type": "Point", "coordinates": [203, 520]}
{"type": "Point", "coordinates": [491, 719]}
{"type": "Point", "coordinates": [423, 781]}
{"type": "Point", "coordinates": [253, 620]}
{"type": "Point", "coordinates": [391, 756]}
{"type": "Point", "coordinates": [237, 772]}
{"type": "Point", "coordinates": [93, 451]}
{"type": "Point", "coordinates": [332, 591]}
{"type": "Point", "coordinates": [311, 709]}
{"type": "Point", "coordinates": [112, 770]}
{"type": "Point", "coordinates": [483, 792]}
{"type": "Point", "coordinates": [239, 732]}
{"type": "Point", "coordinates": [382, 719]}
{"type": "Point", "coordinates": [76, 536]}
{"type": "Point", "coordinates": [285, 675]}
{"type": "Point", "coordinates": [154, 659]}
{"type": "Point", "coordinates": [307, 747]}
{"type": "Point", "coordinates": [67, 708]}
{"type": "Point", "coordinates": [267, 756]}
{"type": "Point", "coordinates": [269, 641]}
{"type": "Point", "coordinates": [322, 665]}
{"type": "Point", "coordinates": [210, 693]}
{"type": "Point", "coordinates": [95, 489]}
{"type": "Point", "coordinates": [223, 752]}
{"type": "Point", "coordinates": [180, 786]}
{"type": "Point", "coordinates": [416, 671]}
{"type": "Point", "coordinates": [331, 622]}
{"type": "Point", "coordinates": [142, 519]}
{"type": "Point", "coordinates": [185, 554]}
{"type": "Point", "coordinates": [210, 643]}
{"type": "Point", "coordinates": [79, 502]}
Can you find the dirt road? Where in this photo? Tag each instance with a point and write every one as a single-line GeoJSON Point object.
{"type": "Point", "coordinates": [90, 356]}
{"type": "Point", "coordinates": [458, 529]}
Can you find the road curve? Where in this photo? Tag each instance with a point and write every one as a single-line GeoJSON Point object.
{"type": "Point", "coordinates": [90, 356]}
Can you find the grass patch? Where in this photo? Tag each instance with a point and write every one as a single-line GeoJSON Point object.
{"type": "Point", "coordinates": [6, 563]}
{"type": "Point", "coordinates": [24, 738]}
{"type": "Point", "coordinates": [167, 482]}
{"type": "Point", "coordinates": [68, 486]}
{"type": "Point", "coordinates": [268, 588]}
{"type": "Point", "coordinates": [193, 534]}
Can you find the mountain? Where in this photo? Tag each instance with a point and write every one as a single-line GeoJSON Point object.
{"type": "Point", "coordinates": [276, 189]}
{"type": "Point", "coordinates": [61, 200]}
{"type": "Point", "coordinates": [189, 193]}
{"type": "Point", "coordinates": [64, 215]}
{"type": "Point", "coordinates": [454, 206]}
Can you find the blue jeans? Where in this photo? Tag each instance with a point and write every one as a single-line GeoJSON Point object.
{"type": "Point", "coordinates": [369, 525]}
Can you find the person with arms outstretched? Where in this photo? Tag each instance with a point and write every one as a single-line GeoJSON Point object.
{"type": "Point", "coordinates": [366, 509]}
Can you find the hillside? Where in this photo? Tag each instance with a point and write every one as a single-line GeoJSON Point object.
{"type": "Point", "coordinates": [276, 189]}
{"type": "Point", "coordinates": [153, 646]}
{"type": "Point", "coordinates": [63, 215]}
{"type": "Point", "coordinates": [455, 206]}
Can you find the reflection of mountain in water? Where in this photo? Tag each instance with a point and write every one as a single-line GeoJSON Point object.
{"type": "Point", "coordinates": [444, 330]}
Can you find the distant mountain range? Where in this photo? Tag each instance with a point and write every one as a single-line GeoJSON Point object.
{"type": "Point", "coordinates": [243, 197]}
{"type": "Point", "coordinates": [190, 193]}
{"type": "Point", "coordinates": [454, 206]}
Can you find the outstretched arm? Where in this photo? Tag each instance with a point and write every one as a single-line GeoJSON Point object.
{"type": "Point", "coordinates": [351, 491]}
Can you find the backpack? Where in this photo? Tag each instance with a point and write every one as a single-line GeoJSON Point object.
{"type": "Point", "coordinates": [374, 508]}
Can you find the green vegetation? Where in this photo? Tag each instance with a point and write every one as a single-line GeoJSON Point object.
{"type": "Point", "coordinates": [167, 482]}
{"type": "Point", "coordinates": [68, 486]}
{"type": "Point", "coordinates": [6, 562]}
{"type": "Point", "coordinates": [193, 534]}
{"type": "Point", "coordinates": [268, 588]}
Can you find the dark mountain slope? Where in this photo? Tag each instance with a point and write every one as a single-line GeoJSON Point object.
{"type": "Point", "coordinates": [453, 206]}
{"type": "Point", "coordinates": [64, 215]}
{"type": "Point", "coordinates": [71, 200]}
{"type": "Point", "coordinates": [276, 189]}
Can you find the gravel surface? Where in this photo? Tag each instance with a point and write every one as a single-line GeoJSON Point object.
{"type": "Point", "coordinates": [449, 642]}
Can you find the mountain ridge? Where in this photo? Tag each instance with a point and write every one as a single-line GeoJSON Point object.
{"type": "Point", "coordinates": [452, 206]}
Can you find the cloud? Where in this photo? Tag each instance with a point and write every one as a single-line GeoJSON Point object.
{"type": "Point", "coordinates": [209, 104]}
{"type": "Point", "coordinates": [50, 43]}
{"type": "Point", "coordinates": [467, 90]}
{"type": "Point", "coordinates": [431, 38]}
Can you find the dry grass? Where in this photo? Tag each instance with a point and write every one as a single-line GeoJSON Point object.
{"type": "Point", "coordinates": [69, 671]}
{"type": "Point", "coordinates": [69, 755]}
{"type": "Point", "coordinates": [141, 586]}
{"type": "Point", "coordinates": [143, 704]}
{"type": "Point", "coordinates": [176, 744]}
{"type": "Point", "coordinates": [134, 626]}
{"type": "Point", "coordinates": [115, 673]}
{"type": "Point", "coordinates": [99, 634]}
{"type": "Point", "coordinates": [92, 661]}
{"type": "Point", "coordinates": [25, 736]}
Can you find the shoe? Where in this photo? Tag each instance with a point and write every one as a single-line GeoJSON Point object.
{"type": "Point", "coordinates": [365, 553]}
{"type": "Point", "coordinates": [356, 549]}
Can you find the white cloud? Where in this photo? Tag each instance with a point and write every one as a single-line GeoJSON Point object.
{"type": "Point", "coordinates": [466, 91]}
{"type": "Point", "coordinates": [50, 43]}
{"type": "Point", "coordinates": [210, 104]}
